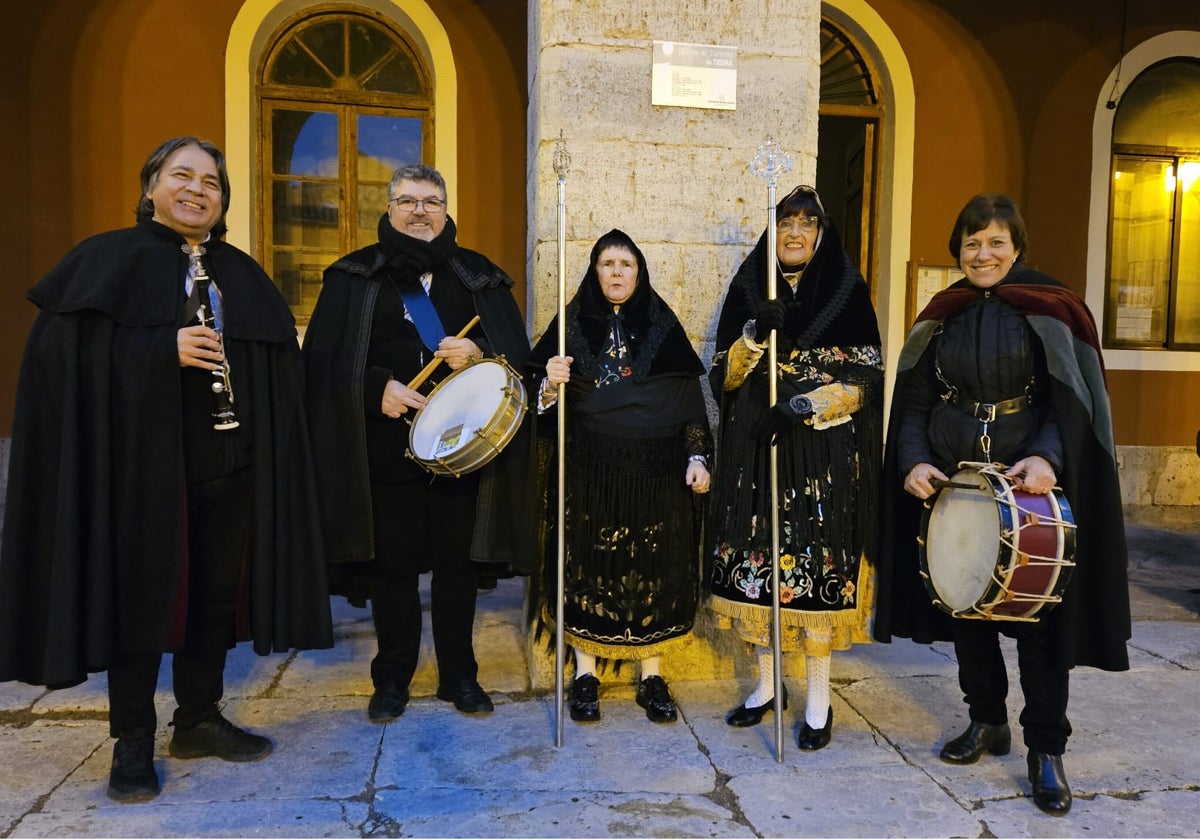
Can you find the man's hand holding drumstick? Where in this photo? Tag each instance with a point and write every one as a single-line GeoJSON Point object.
{"type": "Point", "coordinates": [456, 352]}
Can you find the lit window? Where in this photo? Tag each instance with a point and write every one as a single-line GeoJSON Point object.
{"type": "Point", "coordinates": [1153, 298]}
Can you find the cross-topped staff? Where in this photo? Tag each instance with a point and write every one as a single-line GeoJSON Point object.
{"type": "Point", "coordinates": [769, 163]}
{"type": "Point", "coordinates": [562, 165]}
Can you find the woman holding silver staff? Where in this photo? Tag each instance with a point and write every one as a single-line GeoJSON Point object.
{"type": "Point", "coordinates": [637, 450]}
{"type": "Point", "coordinates": [1003, 370]}
{"type": "Point", "coordinates": [827, 426]}
{"type": "Point", "coordinates": [134, 526]}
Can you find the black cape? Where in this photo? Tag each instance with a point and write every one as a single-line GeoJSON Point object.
{"type": "Point", "coordinates": [1092, 623]}
{"type": "Point", "coordinates": [335, 349]}
{"type": "Point", "coordinates": [94, 525]}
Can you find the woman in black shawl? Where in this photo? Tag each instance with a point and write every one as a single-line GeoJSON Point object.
{"type": "Point", "coordinates": [827, 425]}
{"type": "Point", "coordinates": [637, 449]}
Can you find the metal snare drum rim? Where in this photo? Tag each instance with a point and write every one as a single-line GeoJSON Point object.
{"type": "Point", "coordinates": [489, 439]}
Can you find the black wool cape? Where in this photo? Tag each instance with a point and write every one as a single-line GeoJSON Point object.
{"type": "Point", "coordinates": [335, 350]}
{"type": "Point", "coordinates": [94, 529]}
{"type": "Point", "coordinates": [1092, 624]}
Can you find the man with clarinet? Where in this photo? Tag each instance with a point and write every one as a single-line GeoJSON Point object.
{"type": "Point", "coordinates": [387, 315]}
{"type": "Point", "coordinates": [160, 491]}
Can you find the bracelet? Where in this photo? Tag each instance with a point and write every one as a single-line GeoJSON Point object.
{"type": "Point", "coordinates": [699, 459]}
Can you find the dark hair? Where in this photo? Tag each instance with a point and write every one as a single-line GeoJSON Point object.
{"type": "Point", "coordinates": [802, 201]}
{"type": "Point", "coordinates": [154, 164]}
{"type": "Point", "coordinates": [980, 212]}
{"type": "Point", "coordinates": [417, 172]}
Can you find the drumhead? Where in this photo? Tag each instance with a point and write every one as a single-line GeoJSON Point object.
{"type": "Point", "coordinates": [962, 541]}
{"type": "Point", "coordinates": [461, 405]}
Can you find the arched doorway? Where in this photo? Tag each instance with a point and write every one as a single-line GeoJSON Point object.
{"type": "Point", "coordinates": [848, 129]}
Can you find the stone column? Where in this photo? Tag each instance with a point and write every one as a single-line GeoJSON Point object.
{"type": "Point", "coordinates": [677, 180]}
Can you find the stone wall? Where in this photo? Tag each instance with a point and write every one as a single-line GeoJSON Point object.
{"type": "Point", "coordinates": [677, 180]}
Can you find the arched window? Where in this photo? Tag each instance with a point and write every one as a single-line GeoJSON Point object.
{"type": "Point", "coordinates": [344, 99]}
{"type": "Point", "coordinates": [1153, 279]}
{"type": "Point", "coordinates": [848, 145]}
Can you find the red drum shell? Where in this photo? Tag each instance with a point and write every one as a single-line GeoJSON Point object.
{"type": "Point", "coordinates": [993, 551]}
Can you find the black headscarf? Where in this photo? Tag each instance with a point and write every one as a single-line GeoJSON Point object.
{"type": "Point", "coordinates": [821, 311]}
{"type": "Point", "coordinates": [658, 345]}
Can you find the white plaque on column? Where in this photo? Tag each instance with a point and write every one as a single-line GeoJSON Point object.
{"type": "Point", "coordinates": [694, 75]}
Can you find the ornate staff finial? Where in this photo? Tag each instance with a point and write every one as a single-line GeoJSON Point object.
{"type": "Point", "coordinates": [770, 161]}
{"type": "Point", "coordinates": [562, 158]}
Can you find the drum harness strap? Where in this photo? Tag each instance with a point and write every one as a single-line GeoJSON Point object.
{"type": "Point", "coordinates": [985, 412]}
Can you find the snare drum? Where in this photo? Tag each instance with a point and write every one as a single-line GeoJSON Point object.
{"type": "Point", "coordinates": [991, 551]}
{"type": "Point", "coordinates": [468, 418]}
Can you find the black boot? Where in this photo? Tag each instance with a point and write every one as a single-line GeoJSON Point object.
{"type": "Point", "coordinates": [133, 777]}
{"type": "Point", "coordinates": [214, 735]}
{"type": "Point", "coordinates": [978, 739]}
{"type": "Point", "coordinates": [1051, 792]}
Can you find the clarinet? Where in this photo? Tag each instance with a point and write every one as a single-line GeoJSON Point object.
{"type": "Point", "coordinates": [222, 386]}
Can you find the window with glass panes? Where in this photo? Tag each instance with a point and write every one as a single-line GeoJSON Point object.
{"type": "Point", "coordinates": [344, 101]}
{"type": "Point", "coordinates": [1153, 291]}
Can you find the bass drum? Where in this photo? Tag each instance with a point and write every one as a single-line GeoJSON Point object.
{"type": "Point", "coordinates": [991, 551]}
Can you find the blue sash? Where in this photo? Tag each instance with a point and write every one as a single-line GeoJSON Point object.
{"type": "Point", "coordinates": [424, 316]}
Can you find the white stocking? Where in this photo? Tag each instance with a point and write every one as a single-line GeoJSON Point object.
{"type": "Point", "coordinates": [585, 663]}
{"type": "Point", "coordinates": [765, 692]}
{"type": "Point", "coordinates": [650, 667]}
{"type": "Point", "coordinates": [816, 711]}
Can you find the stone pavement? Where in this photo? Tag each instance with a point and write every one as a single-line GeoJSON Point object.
{"type": "Point", "coordinates": [1133, 762]}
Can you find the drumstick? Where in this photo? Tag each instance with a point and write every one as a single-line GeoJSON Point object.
{"type": "Point", "coordinates": [428, 370]}
{"type": "Point", "coordinates": [939, 484]}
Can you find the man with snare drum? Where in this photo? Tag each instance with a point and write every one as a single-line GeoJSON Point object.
{"type": "Point", "coordinates": [385, 313]}
{"type": "Point", "coordinates": [1003, 370]}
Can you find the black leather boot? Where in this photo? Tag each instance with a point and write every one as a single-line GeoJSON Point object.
{"type": "Point", "coordinates": [1051, 792]}
{"type": "Point", "coordinates": [978, 739]}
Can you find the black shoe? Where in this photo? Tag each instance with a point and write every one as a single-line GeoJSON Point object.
{"type": "Point", "coordinates": [133, 778]}
{"type": "Point", "coordinates": [585, 699]}
{"type": "Point", "coordinates": [1051, 792]}
{"type": "Point", "coordinates": [387, 703]}
{"type": "Point", "coordinates": [978, 739]}
{"type": "Point", "coordinates": [654, 696]}
{"type": "Point", "coordinates": [467, 696]}
{"type": "Point", "coordinates": [811, 740]}
{"type": "Point", "coordinates": [217, 736]}
{"type": "Point", "coordinates": [742, 716]}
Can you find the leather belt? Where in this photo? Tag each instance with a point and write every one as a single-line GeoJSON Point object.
{"type": "Point", "coordinates": [988, 412]}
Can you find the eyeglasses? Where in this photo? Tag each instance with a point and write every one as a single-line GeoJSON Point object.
{"type": "Point", "coordinates": [808, 224]}
{"type": "Point", "coordinates": [433, 206]}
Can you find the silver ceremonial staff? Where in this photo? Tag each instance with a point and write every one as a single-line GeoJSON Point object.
{"type": "Point", "coordinates": [562, 165]}
{"type": "Point", "coordinates": [770, 162]}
